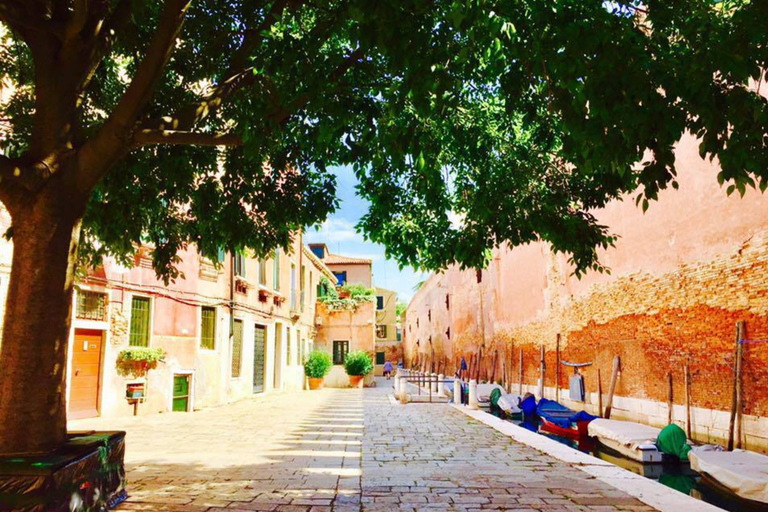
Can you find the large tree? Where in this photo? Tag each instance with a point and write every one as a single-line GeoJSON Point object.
{"type": "Point", "coordinates": [469, 123]}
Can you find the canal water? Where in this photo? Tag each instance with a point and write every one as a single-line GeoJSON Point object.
{"type": "Point", "coordinates": [679, 477]}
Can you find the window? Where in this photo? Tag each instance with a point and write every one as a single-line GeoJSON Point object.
{"type": "Point", "coordinates": [340, 349]}
{"type": "Point", "coordinates": [341, 277]}
{"type": "Point", "coordinates": [139, 335]}
{"type": "Point", "coordinates": [208, 327]}
{"type": "Point", "coordinates": [302, 283]}
{"type": "Point", "coordinates": [317, 250]}
{"type": "Point", "coordinates": [294, 301]}
{"type": "Point", "coordinates": [399, 334]}
{"type": "Point", "coordinates": [237, 349]}
{"type": "Point", "coordinates": [479, 275]}
{"type": "Point", "coordinates": [263, 271]}
{"type": "Point", "coordinates": [91, 305]}
{"type": "Point", "coordinates": [447, 301]}
{"type": "Point", "coordinates": [288, 361]}
{"type": "Point", "coordinates": [239, 265]}
{"type": "Point", "coordinates": [381, 331]}
{"type": "Point", "coordinates": [301, 351]}
{"type": "Point", "coordinates": [276, 270]}
{"type": "Point", "coordinates": [380, 358]}
{"type": "Point", "coordinates": [448, 333]}
{"type": "Point", "coordinates": [379, 302]}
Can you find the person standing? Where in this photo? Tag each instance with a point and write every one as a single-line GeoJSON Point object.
{"type": "Point", "coordinates": [388, 369]}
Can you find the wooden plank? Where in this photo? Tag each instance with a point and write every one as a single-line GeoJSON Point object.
{"type": "Point", "coordinates": [612, 388]}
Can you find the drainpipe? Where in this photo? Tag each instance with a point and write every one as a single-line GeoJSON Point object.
{"type": "Point", "coordinates": [231, 297]}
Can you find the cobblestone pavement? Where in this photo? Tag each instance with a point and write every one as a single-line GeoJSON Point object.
{"type": "Point", "coordinates": [342, 450]}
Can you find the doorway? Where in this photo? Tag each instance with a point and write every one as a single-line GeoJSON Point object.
{"type": "Point", "coordinates": [181, 392]}
{"type": "Point", "coordinates": [259, 342]}
{"type": "Point", "coordinates": [86, 374]}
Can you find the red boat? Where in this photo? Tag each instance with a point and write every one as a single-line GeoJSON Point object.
{"type": "Point", "coordinates": [575, 431]}
{"type": "Point", "coordinates": [562, 421]}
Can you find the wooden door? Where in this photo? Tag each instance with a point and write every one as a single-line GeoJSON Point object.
{"type": "Point", "coordinates": [259, 340]}
{"type": "Point", "coordinates": [86, 374]}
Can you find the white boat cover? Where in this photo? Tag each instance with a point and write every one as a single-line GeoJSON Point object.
{"type": "Point", "coordinates": [508, 404]}
{"type": "Point", "coordinates": [743, 472]}
{"type": "Point", "coordinates": [484, 391]}
{"type": "Point", "coordinates": [627, 433]}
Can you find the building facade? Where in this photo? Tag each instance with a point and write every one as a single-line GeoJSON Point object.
{"type": "Point", "coordinates": [232, 329]}
{"type": "Point", "coordinates": [682, 275]}
{"type": "Point", "coordinates": [388, 338]}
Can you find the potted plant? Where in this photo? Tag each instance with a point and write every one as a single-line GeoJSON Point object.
{"type": "Point", "coordinates": [316, 367]}
{"type": "Point", "coordinates": [358, 364]}
{"type": "Point", "coordinates": [137, 361]}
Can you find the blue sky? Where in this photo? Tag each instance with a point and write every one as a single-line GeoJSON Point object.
{"type": "Point", "coordinates": [338, 232]}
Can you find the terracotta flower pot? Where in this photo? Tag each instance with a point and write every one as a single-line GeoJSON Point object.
{"type": "Point", "coordinates": [356, 381]}
{"type": "Point", "coordinates": [315, 383]}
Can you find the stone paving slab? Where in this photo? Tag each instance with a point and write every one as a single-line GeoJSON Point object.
{"type": "Point", "coordinates": [343, 450]}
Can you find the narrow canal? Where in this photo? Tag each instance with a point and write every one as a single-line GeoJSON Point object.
{"type": "Point", "coordinates": [679, 477]}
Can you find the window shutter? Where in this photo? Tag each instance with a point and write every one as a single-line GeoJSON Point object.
{"type": "Point", "coordinates": [139, 333]}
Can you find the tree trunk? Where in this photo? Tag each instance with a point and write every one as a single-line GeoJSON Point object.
{"type": "Point", "coordinates": [37, 323]}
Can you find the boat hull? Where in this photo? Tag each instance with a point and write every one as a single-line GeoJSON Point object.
{"type": "Point", "coordinates": [579, 431]}
{"type": "Point", "coordinates": [642, 456]}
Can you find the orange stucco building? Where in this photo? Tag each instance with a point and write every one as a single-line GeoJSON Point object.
{"type": "Point", "coordinates": [682, 275]}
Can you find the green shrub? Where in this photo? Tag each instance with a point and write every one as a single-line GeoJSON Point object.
{"type": "Point", "coordinates": [318, 364]}
{"type": "Point", "coordinates": [354, 296]}
{"type": "Point", "coordinates": [358, 362]}
{"type": "Point", "coordinates": [137, 361]}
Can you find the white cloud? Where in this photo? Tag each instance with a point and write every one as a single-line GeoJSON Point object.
{"type": "Point", "coordinates": [335, 229]}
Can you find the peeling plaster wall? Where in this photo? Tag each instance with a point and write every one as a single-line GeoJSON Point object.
{"type": "Point", "coordinates": [682, 275]}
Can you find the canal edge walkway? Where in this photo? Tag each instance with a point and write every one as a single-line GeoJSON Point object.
{"type": "Point", "coordinates": [648, 491]}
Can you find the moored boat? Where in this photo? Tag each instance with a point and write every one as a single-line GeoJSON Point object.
{"type": "Point", "coordinates": [741, 472]}
{"type": "Point", "coordinates": [632, 440]}
{"type": "Point", "coordinates": [562, 421]}
{"type": "Point", "coordinates": [484, 394]}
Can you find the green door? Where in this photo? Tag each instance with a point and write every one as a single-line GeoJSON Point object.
{"type": "Point", "coordinates": [259, 339]}
{"type": "Point", "coordinates": [181, 393]}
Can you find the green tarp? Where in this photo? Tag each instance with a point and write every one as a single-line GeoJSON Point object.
{"type": "Point", "coordinates": [673, 441]}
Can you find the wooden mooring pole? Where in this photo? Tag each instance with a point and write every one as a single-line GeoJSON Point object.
{"type": "Point", "coordinates": [736, 398]}
{"type": "Point", "coordinates": [557, 369]}
{"type": "Point", "coordinates": [543, 370]}
{"type": "Point", "coordinates": [520, 390]}
{"type": "Point", "coordinates": [612, 388]}
{"type": "Point", "coordinates": [599, 394]}
{"type": "Point", "coordinates": [688, 426]}
{"type": "Point", "coordinates": [670, 398]}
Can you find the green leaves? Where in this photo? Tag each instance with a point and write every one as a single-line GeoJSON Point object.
{"type": "Point", "coordinates": [471, 124]}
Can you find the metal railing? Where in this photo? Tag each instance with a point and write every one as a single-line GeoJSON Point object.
{"type": "Point", "coordinates": [429, 385]}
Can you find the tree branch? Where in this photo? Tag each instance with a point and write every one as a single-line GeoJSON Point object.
{"type": "Point", "coordinates": [77, 21]}
{"type": "Point", "coordinates": [14, 14]}
{"type": "Point", "coordinates": [237, 76]}
{"type": "Point", "coordinates": [114, 137]}
{"type": "Point", "coordinates": [284, 113]}
{"type": "Point", "coordinates": [144, 137]}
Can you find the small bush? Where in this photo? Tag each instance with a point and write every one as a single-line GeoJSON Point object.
{"type": "Point", "coordinates": [137, 361]}
{"type": "Point", "coordinates": [358, 362]}
{"type": "Point", "coordinates": [318, 364]}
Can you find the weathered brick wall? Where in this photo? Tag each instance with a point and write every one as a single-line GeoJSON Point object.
{"type": "Point", "coordinates": [682, 277]}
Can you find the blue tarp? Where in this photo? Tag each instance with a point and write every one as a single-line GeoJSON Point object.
{"type": "Point", "coordinates": [528, 405]}
{"type": "Point", "coordinates": [559, 414]}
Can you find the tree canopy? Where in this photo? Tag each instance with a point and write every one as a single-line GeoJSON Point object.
{"type": "Point", "coordinates": [469, 123]}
